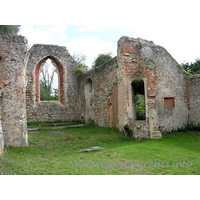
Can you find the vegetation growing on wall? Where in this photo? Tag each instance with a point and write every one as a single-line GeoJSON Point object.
{"type": "Point", "coordinates": [81, 66]}
{"type": "Point", "coordinates": [9, 29]}
{"type": "Point", "coordinates": [192, 68]}
{"type": "Point", "coordinates": [127, 131]}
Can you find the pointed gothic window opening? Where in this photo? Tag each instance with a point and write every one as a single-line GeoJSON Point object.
{"type": "Point", "coordinates": [49, 82]}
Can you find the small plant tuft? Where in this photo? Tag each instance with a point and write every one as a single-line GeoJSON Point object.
{"type": "Point", "coordinates": [90, 123]}
{"type": "Point", "coordinates": [79, 71]}
{"type": "Point", "coordinates": [127, 131]}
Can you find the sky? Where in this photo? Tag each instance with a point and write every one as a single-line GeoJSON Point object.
{"type": "Point", "coordinates": [88, 40]}
{"type": "Point", "coordinates": [91, 40]}
{"type": "Point", "coordinates": [173, 24]}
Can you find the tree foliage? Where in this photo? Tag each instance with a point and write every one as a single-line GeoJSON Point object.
{"type": "Point", "coordinates": [140, 107]}
{"type": "Point", "coordinates": [192, 68]}
{"type": "Point", "coordinates": [101, 59]}
{"type": "Point", "coordinates": [9, 29]}
{"type": "Point", "coordinates": [45, 94]}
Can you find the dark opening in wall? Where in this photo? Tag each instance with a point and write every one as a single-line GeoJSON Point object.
{"type": "Point", "coordinates": [169, 102]}
{"type": "Point", "coordinates": [138, 92]}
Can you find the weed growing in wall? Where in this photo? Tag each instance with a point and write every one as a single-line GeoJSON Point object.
{"type": "Point", "coordinates": [127, 132]}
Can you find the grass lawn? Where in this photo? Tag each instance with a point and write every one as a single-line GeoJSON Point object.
{"type": "Point", "coordinates": [53, 150]}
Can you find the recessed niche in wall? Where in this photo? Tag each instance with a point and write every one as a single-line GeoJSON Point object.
{"type": "Point", "coordinates": [169, 102]}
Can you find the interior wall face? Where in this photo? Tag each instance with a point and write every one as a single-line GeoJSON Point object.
{"type": "Point", "coordinates": [89, 97]}
{"type": "Point", "coordinates": [98, 94]}
{"type": "Point", "coordinates": [67, 108]}
{"type": "Point", "coordinates": [172, 98]}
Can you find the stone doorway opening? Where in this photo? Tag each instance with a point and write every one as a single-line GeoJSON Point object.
{"type": "Point", "coordinates": [138, 93]}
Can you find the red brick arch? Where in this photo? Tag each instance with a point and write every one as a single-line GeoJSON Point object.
{"type": "Point", "coordinates": [61, 75]}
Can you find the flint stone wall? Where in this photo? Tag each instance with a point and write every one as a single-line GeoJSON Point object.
{"type": "Point", "coordinates": [139, 59]}
{"type": "Point", "coordinates": [194, 100]}
{"type": "Point", "coordinates": [104, 94]}
{"type": "Point", "coordinates": [12, 87]}
{"type": "Point", "coordinates": [171, 84]}
{"type": "Point", "coordinates": [103, 102]}
{"type": "Point", "coordinates": [134, 66]}
{"type": "Point", "coordinates": [1, 131]}
{"type": "Point", "coordinates": [68, 106]}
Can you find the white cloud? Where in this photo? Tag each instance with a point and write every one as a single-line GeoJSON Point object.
{"type": "Point", "coordinates": [45, 34]}
{"type": "Point", "coordinates": [91, 47]}
{"type": "Point", "coordinates": [59, 31]}
{"type": "Point", "coordinates": [180, 36]}
{"type": "Point", "coordinates": [89, 28]}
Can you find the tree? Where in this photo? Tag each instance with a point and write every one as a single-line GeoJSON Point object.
{"type": "Point", "coordinates": [101, 59]}
{"type": "Point", "coordinates": [80, 60]}
{"type": "Point", "coordinates": [140, 107]}
{"type": "Point", "coordinates": [9, 29]}
{"type": "Point", "coordinates": [47, 92]}
{"type": "Point", "coordinates": [192, 68]}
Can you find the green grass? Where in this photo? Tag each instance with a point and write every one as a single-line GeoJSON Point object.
{"type": "Point", "coordinates": [52, 151]}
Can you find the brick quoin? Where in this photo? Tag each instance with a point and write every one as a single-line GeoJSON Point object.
{"type": "Point", "coordinates": [132, 66]}
{"type": "Point", "coordinates": [99, 112]}
{"type": "Point", "coordinates": [113, 101]}
{"type": "Point", "coordinates": [186, 95]}
{"type": "Point", "coordinates": [98, 85]}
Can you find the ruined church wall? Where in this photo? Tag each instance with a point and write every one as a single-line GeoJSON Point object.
{"type": "Point", "coordinates": [139, 59]}
{"type": "Point", "coordinates": [134, 66]}
{"type": "Point", "coordinates": [194, 99]}
{"type": "Point", "coordinates": [100, 102]}
{"type": "Point", "coordinates": [1, 132]}
{"type": "Point", "coordinates": [12, 88]}
{"type": "Point", "coordinates": [171, 87]}
{"type": "Point", "coordinates": [68, 106]}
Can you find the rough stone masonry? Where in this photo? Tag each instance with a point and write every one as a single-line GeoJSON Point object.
{"type": "Point", "coordinates": [13, 50]}
{"type": "Point", "coordinates": [67, 108]}
{"type": "Point", "coordinates": [106, 94]}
